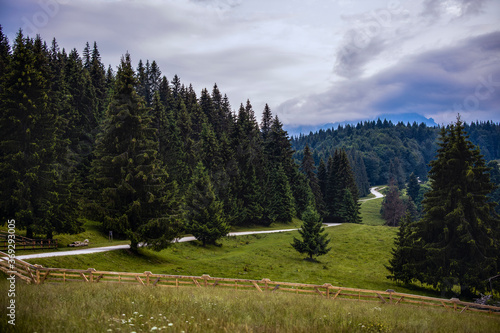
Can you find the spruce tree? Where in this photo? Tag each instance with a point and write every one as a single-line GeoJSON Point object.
{"type": "Point", "coordinates": [281, 204]}
{"type": "Point", "coordinates": [204, 212]}
{"type": "Point", "coordinates": [413, 188]}
{"type": "Point", "coordinates": [314, 242]}
{"type": "Point", "coordinates": [393, 207]}
{"type": "Point", "coordinates": [495, 179]}
{"type": "Point", "coordinates": [134, 195]}
{"type": "Point", "coordinates": [309, 170]}
{"type": "Point", "coordinates": [459, 232]}
{"type": "Point", "coordinates": [31, 146]}
{"type": "Point", "coordinates": [349, 210]}
{"type": "Point", "coordinates": [403, 253]}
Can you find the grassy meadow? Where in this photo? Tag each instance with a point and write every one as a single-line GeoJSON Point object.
{"type": "Point", "coordinates": [80, 307]}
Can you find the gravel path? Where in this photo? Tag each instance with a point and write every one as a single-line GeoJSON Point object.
{"type": "Point", "coordinates": [377, 194]}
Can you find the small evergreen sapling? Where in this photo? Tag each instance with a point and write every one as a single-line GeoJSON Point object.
{"type": "Point", "coordinates": [314, 242]}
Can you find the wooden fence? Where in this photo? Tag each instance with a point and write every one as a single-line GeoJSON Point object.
{"type": "Point", "coordinates": [37, 274]}
{"type": "Point", "coordinates": [24, 243]}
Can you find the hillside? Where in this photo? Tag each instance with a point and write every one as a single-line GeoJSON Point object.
{"type": "Point", "coordinates": [410, 147]}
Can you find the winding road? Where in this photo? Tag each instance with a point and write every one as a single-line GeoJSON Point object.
{"type": "Point", "coordinates": [373, 190]}
{"type": "Point", "coordinates": [126, 246]}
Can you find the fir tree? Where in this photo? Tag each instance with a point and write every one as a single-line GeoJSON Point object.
{"type": "Point", "coordinates": [136, 198]}
{"type": "Point", "coordinates": [281, 204]}
{"type": "Point", "coordinates": [32, 150]}
{"type": "Point", "coordinates": [393, 208]}
{"type": "Point", "coordinates": [459, 232]}
{"type": "Point", "coordinates": [349, 210]}
{"type": "Point", "coordinates": [205, 218]}
{"type": "Point", "coordinates": [413, 188]}
{"type": "Point", "coordinates": [314, 242]}
{"type": "Point", "coordinates": [403, 253]}
{"type": "Point", "coordinates": [495, 179]}
{"type": "Point", "coordinates": [309, 170]}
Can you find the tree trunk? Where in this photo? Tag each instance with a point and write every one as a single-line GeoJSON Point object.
{"type": "Point", "coordinates": [29, 232]}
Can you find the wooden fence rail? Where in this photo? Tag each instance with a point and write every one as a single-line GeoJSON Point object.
{"type": "Point", "coordinates": [37, 274]}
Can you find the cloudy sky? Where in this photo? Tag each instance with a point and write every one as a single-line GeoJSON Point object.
{"type": "Point", "coordinates": [312, 61]}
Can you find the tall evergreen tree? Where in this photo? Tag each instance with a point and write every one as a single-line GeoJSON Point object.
{"type": "Point", "coordinates": [135, 196]}
{"type": "Point", "coordinates": [403, 260]}
{"type": "Point", "coordinates": [393, 207]}
{"type": "Point", "coordinates": [31, 146]}
{"type": "Point", "coordinates": [98, 77]}
{"type": "Point", "coordinates": [282, 203]}
{"type": "Point", "coordinates": [309, 170]}
{"type": "Point", "coordinates": [413, 188]}
{"type": "Point", "coordinates": [495, 179]}
{"type": "Point", "coordinates": [204, 212]}
{"type": "Point", "coordinates": [4, 55]}
{"type": "Point", "coordinates": [459, 232]}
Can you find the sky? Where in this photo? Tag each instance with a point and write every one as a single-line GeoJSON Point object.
{"type": "Point", "coordinates": [312, 61]}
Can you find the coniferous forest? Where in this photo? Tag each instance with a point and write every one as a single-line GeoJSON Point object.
{"type": "Point", "coordinates": [145, 156]}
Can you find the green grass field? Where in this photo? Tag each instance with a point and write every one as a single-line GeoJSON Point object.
{"type": "Point", "coordinates": [357, 259]}
{"type": "Point", "coordinates": [80, 307]}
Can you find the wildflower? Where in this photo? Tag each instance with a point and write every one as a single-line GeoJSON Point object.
{"type": "Point", "coordinates": [136, 312]}
{"type": "Point", "coordinates": [154, 328]}
{"type": "Point", "coordinates": [170, 324]}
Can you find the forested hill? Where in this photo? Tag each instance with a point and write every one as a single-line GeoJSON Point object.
{"type": "Point", "coordinates": [407, 147]}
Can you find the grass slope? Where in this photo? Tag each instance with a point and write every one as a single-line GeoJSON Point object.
{"type": "Point", "coordinates": [357, 259]}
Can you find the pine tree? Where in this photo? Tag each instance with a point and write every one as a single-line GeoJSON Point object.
{"type": "Point", "coordinates": [281, 203]}
{"type": "Point", "coordinates": [136, 198]}
{"type": "Point", "coordinates": [314, 242]}
{"type": "Point", "coordinates": [393, 208]}
{"type": "Point", "coordinates": [459, 232]}
{"type": "Point", "coordinates": [31, 145]}
{"type": "Point", "coordinates": [4, 55]}
{"type": "Point", "coordinates": [308, 169]}
{"type": "Point", "coordinates": [495, 179]}
{"type": "Point", "coordinates": [204, 212]}
{"type": "Point", "coordinates": [267, 120]}
{"type": "Point", "coordinates": [413, 188]}
{"type": "Point", "coordinates": [98, 79]}
{"type": "Point", "coordinates": [322, 177]}
{"type": "Point", "coordinates": [403, 253]}
{"type": "Point", "coordinates": [349, 210]}
{"type": "Point", "coordinates": [341, 178]}
{"type": "Point", "coordinates": [247, 186]}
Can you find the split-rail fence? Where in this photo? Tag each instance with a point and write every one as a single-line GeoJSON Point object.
{"type": "Point", "coordinates": [36, 274]}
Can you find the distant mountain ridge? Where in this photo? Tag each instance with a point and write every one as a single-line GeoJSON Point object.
{"type": "Point", "coordinates": [296, 130]}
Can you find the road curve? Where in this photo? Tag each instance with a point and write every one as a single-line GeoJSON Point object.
{"type": "Point", "coordinates": [126, 246]}
{"type": "Point", "coordinates": [377, 194]}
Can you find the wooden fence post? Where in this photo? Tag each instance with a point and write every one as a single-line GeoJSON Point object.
{"type": "Point", "coordinates": [454, 301]}
{"type": "Point", "coordinates": [148, 273]}
{"type": "Point", "coordinates": [205, 278]}
{"type": "Point", "coordinates": [91, 274]}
